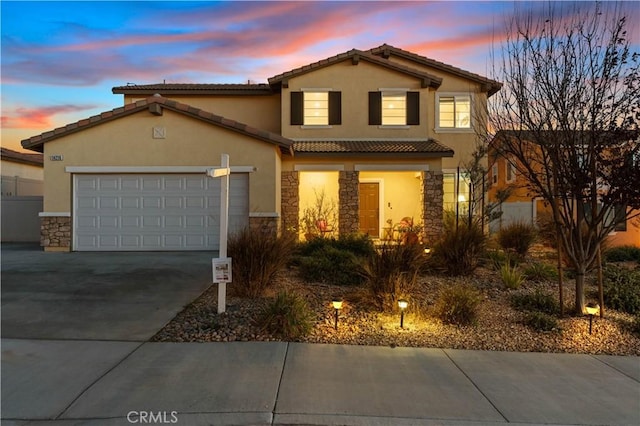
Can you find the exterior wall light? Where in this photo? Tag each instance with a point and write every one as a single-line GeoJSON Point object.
{"type": "Point", "coordinates": [337, 305]}
{"type": "Point", "coordinates": [592, 309]}
{"type": "Point", "coordinates": [402, 304]}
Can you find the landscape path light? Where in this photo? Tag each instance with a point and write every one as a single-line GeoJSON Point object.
{"type": "Point", "coordinates": [402, 304]}
{"type": "Point", "coordinates": [337, 305]}
{"type": "Point", "coordinates": [592, 309]}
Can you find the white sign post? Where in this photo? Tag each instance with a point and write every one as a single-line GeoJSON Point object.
{"type": "Point", "coordinates": [222, 266]}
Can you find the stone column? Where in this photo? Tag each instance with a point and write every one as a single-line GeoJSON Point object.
{"type": "Point", "coordinates": [431, 196]}
{"type": "Point", "coordinates": [55, 233]}
{"type": "Point", "coordinates": [349, 202]}
{"type": "Point", "coordinates": [290, 201]}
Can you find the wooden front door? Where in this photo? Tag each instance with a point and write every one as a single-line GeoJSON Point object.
{"type": "Point", "coordinates": [370, 209]}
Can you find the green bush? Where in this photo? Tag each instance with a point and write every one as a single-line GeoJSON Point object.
{"type": "Point", "coordinates": [288, 316]}
{"type": "Point", "coordinates": [539, 301]}
{"type": "Point", "coordinates": [540, 321]}
{"type": "Point", "coordinates": [359, 245]}
{"type": "Point", "coordinates": [391, 273]}
{"type": "Point", "coordinates": [459, 250]}
{"type": "Point", "coordinates": [635, 326]}
{"type": "Point", "coordinates": [621, 289]}
{"type": "Point", "coordinates": [511, 276]}
{"type": "Point", "coordinates": [330, 265]}
{"type": "Point", "coordinates": [517, 237]}
{"type": "Point", "coordinates": [335, 261]}
{"type": "Point", "coordinates": [257, 259]}
{"type": "Point", "coordinates": [540, 271]}
{"type": "Point", "coordinates": [458, 305]}
{"type": "Point", "coordinates": [622, 254]}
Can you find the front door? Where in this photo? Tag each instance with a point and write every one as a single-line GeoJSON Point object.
{"type": "Point", "coordinates": [370, 209]}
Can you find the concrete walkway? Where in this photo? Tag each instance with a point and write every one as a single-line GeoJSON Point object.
{"type": "Point", "coordinates": [80, 382]}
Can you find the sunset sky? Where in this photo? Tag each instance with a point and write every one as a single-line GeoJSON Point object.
{"type": "Point", "coordinates": [61, 59]}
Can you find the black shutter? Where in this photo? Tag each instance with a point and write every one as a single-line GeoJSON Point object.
{"type": "Point", "coordinates": [413, 108]}
{"type": "Point", "coordinates": [335, 107]}
{"type": "Point", "coordinates": [375, 108]}
{"type": "Point", "coordinates": [297, 116]}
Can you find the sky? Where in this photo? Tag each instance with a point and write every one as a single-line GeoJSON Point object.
{"type": "Point", "coordinates": [60, 60]}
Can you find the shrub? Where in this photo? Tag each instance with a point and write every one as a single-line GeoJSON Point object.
{"type": "Point", "coordinates": [288, 316]}
{"type": "Point", "coordinates": [391, 273]}
{"type": "Point", "coordinates": [332, 265]}
{"type": "Point", "coordinates": [540, 321]}
{"type": "Point", "coordinates": [540, 271]}
{"type": "Point", "coordinates": [257, 259]}
{"type": "Point", "coordinates": [459, 250]}
{"type": "Point", "coordinates": [622, 254]}
{"type": "Point", "coordinates": [334, 260]}
{"type": "Point", "coordinates": [635, 326]}
{"type": "Point", "coordinates": [621, 289]}
{"type": "Point", "coordinates": [458, 305]}
{"type": "Point", "coordinates": [495, 259]}
{"type": "Point", "coordinates": [517, 237]}
{"type": "Point", "coordinates": [539, 301]}
{"type": "Point", "coordinates": [511, 276]}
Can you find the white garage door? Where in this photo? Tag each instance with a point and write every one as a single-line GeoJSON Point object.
{"type": "Point", "coordinates": [153, 212]}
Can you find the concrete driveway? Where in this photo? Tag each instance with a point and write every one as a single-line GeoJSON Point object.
{"type": "Point", "coordinates": [96, 296]}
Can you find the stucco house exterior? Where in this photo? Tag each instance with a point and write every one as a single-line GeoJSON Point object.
{"type": "Point", "coordinates": [378, 134]}
{"type": "Point", "coordinates": [522, 206]}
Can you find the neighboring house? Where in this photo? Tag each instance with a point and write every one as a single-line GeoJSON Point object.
{"type": "Point", "coordinates": [377, 133]}
{"type": "Point", "coordinates": [22, 190]}
{"type": "Point", "coordinates": [22, 173]}
{"type": "Point", "coordinates": [523, 206]}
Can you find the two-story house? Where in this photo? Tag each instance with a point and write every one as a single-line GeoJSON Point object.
{"type": "Point", "coordinates": [377, 133]}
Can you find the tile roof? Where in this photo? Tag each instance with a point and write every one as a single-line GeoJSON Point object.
{"type": "Point", "coordinates": [191, 88]}
{"type": "Point", "coordinates": [21, 157]}
{"type": "Point", "coordinates": [155, 104]}
{"type": "Point", "coordinates": [430, 147]}
{"type": "Point", "coordinates": [356, 55]}
{"type": "Point", "coordinates": [386, 50]}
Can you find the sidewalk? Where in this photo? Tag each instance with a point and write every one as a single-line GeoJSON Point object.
{"type": "Point", "coordinates": [102, 383]}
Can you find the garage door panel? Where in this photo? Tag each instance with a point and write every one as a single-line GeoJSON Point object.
{"type": "Point", "coordinates": [154, 212]}
{"type": "Point", "coordinates": [108, 203]}
{"type": "Point", "coordinates": [130, 183]}
{"type": "Point", "coordinates": [130, 241]}
{"type": "Point", "coordinates": [130, 203]}
{"type": "Point", "coordinates": [109, 241]}
{"type": "Point", "coordinates": [130, 222]}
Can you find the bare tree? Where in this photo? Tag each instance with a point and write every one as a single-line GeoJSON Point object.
{"type": "Point", "coordinates": [568, 117]}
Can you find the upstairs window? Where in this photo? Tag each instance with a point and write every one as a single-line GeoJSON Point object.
{"type": "Point", "coordinates": [454, 111]}
{"type": "Point", "coordinates": [494, 174]}
{"type": "Point", "coordinates": [316, 108]}
{"type": "Point", "coordinates": [394, 108]}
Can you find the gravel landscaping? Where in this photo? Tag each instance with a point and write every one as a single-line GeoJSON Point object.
{"type": "Point", "coordinates": [498, 327]}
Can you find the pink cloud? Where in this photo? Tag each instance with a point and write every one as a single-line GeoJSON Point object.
{"type": "Point", "coordinates": [38, 117]}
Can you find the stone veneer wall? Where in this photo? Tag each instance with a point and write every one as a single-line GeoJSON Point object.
{"type": "Point", "coordinates": [290, 200]}
{"type": "Point", "coordinates": [349, 202]}
{"type": "Point", "coordinates": [55, 232]}
{"type": "Point", "coordinates": [267, 225]}
{"type": "Point", "coordinates": [431, 197]}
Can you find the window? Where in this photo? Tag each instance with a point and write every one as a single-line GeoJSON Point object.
{"type": "Point", "coordinates": [494, 174]}
{"type": "Point", "coordinates": [394, 108]}
{"type": "Point", "coordinates": [454, 111]}
{"type": "Point", "coordinates": [511, 171]}
{"type": "Point", "coordinates": [316, 108]}
{"type": "Point", "coordinates": [451, 187]}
